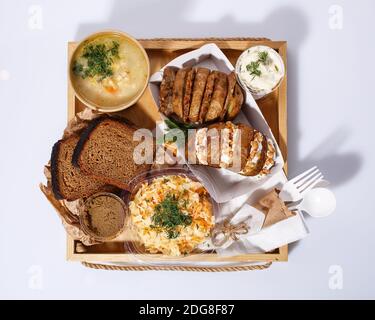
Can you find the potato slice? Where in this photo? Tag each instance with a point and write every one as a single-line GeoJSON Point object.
{"type": "Point", "coordinates": [178, 92]}
{"type": "Point", "coordinates": [218, 97]}
{"type": "Point", "coordinates": [231, 85]}
{"type": "Point", "coordinates": [235, 103]}
{"type": "Point", "coordinates": [166, 90]}
{"type": "Point", "coordinates": [188, 93]}
{"type": "Point", "coordinates": [198, 91]}
{"type": "Point", "coordinates": [207, 96]}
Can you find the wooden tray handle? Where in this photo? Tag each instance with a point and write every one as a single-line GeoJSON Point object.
{"type": "Point", "coordinates": [99, 266]}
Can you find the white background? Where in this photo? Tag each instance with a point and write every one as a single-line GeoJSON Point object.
{"type": "Point", "coordinates": [331, 124]}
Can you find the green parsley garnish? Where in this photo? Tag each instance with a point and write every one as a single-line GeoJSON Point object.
{"type": "Point", "coordinates": [169, 217]}
{"type": "Point", "coordinates": [99, 59]}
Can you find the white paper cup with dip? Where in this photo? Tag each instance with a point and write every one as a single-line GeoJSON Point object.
{"type": "Point", "coordinates": [260, 70]}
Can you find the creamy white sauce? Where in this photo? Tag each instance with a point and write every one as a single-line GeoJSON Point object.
{"type": "Point", "coordinates": [271, 71]}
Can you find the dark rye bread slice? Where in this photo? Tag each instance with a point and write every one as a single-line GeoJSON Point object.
{"type": "Point", "coordinates": [67, 181]}
{"type": "Point", "coordinates": [105, 151]}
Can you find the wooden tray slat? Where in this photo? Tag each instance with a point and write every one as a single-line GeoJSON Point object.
{"type": "Point", "coordinates": [144, 113]}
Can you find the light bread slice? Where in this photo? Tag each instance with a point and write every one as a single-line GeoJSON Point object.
{"type": "Point", "coordinates": [237, 147]}
{"type": "Point", "coordinates": [223, 145]}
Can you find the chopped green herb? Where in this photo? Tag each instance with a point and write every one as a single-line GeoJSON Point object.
{"type": "Point", "coordinates": [114, 50]}
{"type": "Point", "coordinates": [253, 68]}
{"type": "Point", "coordinates": [263, 57]}
{"type": "Point", "coordinates": [169, 217]}
{"type": "Point", "coordinates": [172, 234]}
{"type": "Point", "coordinates": [99, 60]}
{"type": "Point", "coordinates": [276, 68]}
{"type": "Point", "coordinates": [77, 68]}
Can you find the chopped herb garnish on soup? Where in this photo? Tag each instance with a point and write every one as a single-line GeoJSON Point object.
{"type": "Point", "coordinates": [168, 216]}
{"type": "Point", "coordinates": [97, 60]}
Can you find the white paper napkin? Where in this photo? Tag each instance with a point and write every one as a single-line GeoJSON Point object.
{"type": "Point", "coordinates": [280, 234]}
{"type": "Point", "coordinates": [267, 239]}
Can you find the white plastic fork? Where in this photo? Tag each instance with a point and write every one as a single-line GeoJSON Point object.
{"type": "Point", "coordinates": [295, 188]}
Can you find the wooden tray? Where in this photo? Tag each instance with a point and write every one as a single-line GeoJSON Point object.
{"type": "Point", "coordinates": [145, 113]}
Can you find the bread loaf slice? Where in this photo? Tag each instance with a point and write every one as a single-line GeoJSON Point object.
{"type": "Point", "coordinates": [236, 147]}
{"type": "Point", "coordinates": [247, 135]}
{"type": "Point", "coordinates": [106, 151]}
{"type": "Point", "coordinates": [223, 145]}
{"type": "Point", "coordinates": [67, 181]}
{"type": "Point", "coordinates": [257, 155]}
